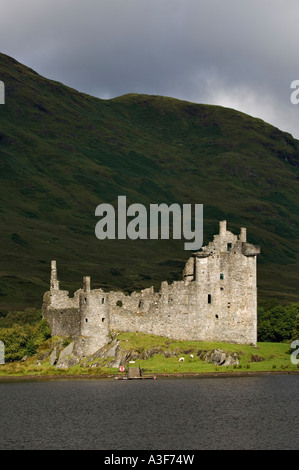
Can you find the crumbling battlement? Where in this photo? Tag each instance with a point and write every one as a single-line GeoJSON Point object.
{"type": "Point", "coordinates": [215, 301]}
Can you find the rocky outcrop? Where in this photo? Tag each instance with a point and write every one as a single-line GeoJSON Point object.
{"type": "Point", "coordinates": [116, 354]}
{"type": "Point", "coordinates": [219, 357]}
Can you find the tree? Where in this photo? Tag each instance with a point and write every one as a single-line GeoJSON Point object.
{"type": "Point", "coordinates": [296, 329]}
{"type": "Point", "coordinates": [277, 324]}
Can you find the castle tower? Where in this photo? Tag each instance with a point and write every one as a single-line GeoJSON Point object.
{"type": "Point", "coordinates": [226, 288]}
{"type": "Point", "coordinates": [94, 314]}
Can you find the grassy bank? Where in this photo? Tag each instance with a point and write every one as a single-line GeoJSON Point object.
{"type": "Point", "coordinates": [159, 355]}
{"type": "Point", "coordinates": [263, 357]}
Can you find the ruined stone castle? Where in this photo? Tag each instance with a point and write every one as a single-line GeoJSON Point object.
{"type": "Point", "coordinates": [215, 301]}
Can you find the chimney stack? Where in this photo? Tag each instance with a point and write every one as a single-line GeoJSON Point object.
{"type": "Point", "coordinates": [222, 228]}
{"type": "Point", "coordinates": [243, 234]}
{"type": "Point", "coordinates": [86, 283]}
{"type": "Point", "coordinates": [54, 283]}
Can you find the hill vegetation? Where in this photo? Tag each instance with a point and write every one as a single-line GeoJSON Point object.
{"type": "Point", "coordinates": [63, 152]}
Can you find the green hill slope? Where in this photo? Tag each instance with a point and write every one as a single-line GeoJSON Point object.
{"type": "Point", "coordinates": [63, 152]}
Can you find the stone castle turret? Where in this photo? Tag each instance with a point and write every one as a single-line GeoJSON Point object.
{"type": "Point", "coordinates": [215, 301]}
{"type": "Point", "coordinates": [94, 310]}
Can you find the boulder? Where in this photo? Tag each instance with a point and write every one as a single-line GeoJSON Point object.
{"type": "Point", "coordinates": [219, 357]}
{"type": "Point", "coordinates": [256, 358]}
{"type": "Point", "coordinates": [67, 358]}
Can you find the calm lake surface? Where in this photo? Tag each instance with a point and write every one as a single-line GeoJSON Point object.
{"type": "Point", "coordinates": [165, 414]}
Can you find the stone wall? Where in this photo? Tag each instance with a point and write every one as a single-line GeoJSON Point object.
{"type": "Point", "coordinates": [62, 313]}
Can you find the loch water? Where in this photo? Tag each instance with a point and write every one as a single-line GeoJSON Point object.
{"type": "Point", "coordinates": [221, 413]}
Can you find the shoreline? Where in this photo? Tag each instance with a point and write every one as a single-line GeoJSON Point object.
{"type": "Point", "coordinates": [200, 375]}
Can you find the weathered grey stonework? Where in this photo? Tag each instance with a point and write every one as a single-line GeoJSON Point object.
{"type": "Point", "coordinates": [215, 301]}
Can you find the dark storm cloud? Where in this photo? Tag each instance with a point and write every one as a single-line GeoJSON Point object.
{"type": "Point", "coordinates": [240, 54]}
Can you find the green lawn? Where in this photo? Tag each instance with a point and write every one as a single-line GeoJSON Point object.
{"type": "Point", "coordinates": [277, 356]}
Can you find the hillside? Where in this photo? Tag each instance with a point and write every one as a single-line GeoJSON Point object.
{"type": "Point", "coordinates": [63, 152]}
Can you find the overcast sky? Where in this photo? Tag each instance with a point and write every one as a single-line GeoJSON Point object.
{"type": "Point", "coordinates": [242, 54]}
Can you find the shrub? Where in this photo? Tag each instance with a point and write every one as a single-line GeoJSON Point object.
{"type": "Point", "coordinates": [22, 339]}
{"type": "Point", "coordinates": [30, 348]}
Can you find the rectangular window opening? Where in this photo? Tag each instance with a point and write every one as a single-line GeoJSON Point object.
{"type": "Point", "coordinates": [209, 298]}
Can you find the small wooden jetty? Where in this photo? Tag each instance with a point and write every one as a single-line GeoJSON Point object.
{"type": "Point", "coordinates": [135, 373]}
